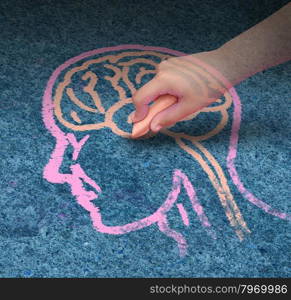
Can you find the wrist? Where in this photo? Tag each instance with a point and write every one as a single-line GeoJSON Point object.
{"type": "Point", "coordinates": [218, 66]}
{"type": "Point", "coordinates": [225, 62]}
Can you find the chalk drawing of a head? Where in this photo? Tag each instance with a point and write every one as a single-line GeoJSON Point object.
{"type": "Point", "coordinates": [73, 107]}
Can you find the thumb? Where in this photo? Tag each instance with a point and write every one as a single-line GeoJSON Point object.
{"type": "Point", "coordinates": [174, 114]}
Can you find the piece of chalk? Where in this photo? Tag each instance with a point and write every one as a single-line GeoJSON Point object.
{"type": "Point", "coordinates": [141, 128]}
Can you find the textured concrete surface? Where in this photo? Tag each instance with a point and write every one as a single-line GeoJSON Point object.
{"type": "Point", "coordinates": [44, 232]}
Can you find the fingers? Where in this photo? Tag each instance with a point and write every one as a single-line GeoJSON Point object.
{"type": "Point", "coordinates": [174, 114]}
{"type": "Point", "coordinates": [161, 103]}
{"type": "Point", "coordinates": [146, 94]}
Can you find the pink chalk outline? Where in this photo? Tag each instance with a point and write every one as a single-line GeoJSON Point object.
{"type": "Point", "coordinates": [183, 214]}
{"type": "Point", "coordinates": [78, 176]}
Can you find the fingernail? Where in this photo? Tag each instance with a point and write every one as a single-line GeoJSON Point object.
{"type": "Point", "coordinates": [137, 116]}
{"type": "Point", "coordinates": [157, 128]}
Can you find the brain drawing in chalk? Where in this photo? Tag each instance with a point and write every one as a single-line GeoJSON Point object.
{"type": "Point", "coordinates": [86, 108]}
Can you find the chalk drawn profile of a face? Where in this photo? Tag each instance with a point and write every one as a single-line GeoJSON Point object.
{"type": "Point", "coordinates": [65, 124]}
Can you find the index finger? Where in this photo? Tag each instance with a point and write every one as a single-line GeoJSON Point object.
{"type": "Point", "coordinates": [145, 95]}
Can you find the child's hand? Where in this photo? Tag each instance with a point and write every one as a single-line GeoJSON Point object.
{"type": "Point", "coordinates": [264, 45]}
{"type": "Point", "coordinates": [180, 77]}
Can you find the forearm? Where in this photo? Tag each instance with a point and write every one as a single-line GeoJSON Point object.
{"type": "Point", "coordinates": [264, 45]}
